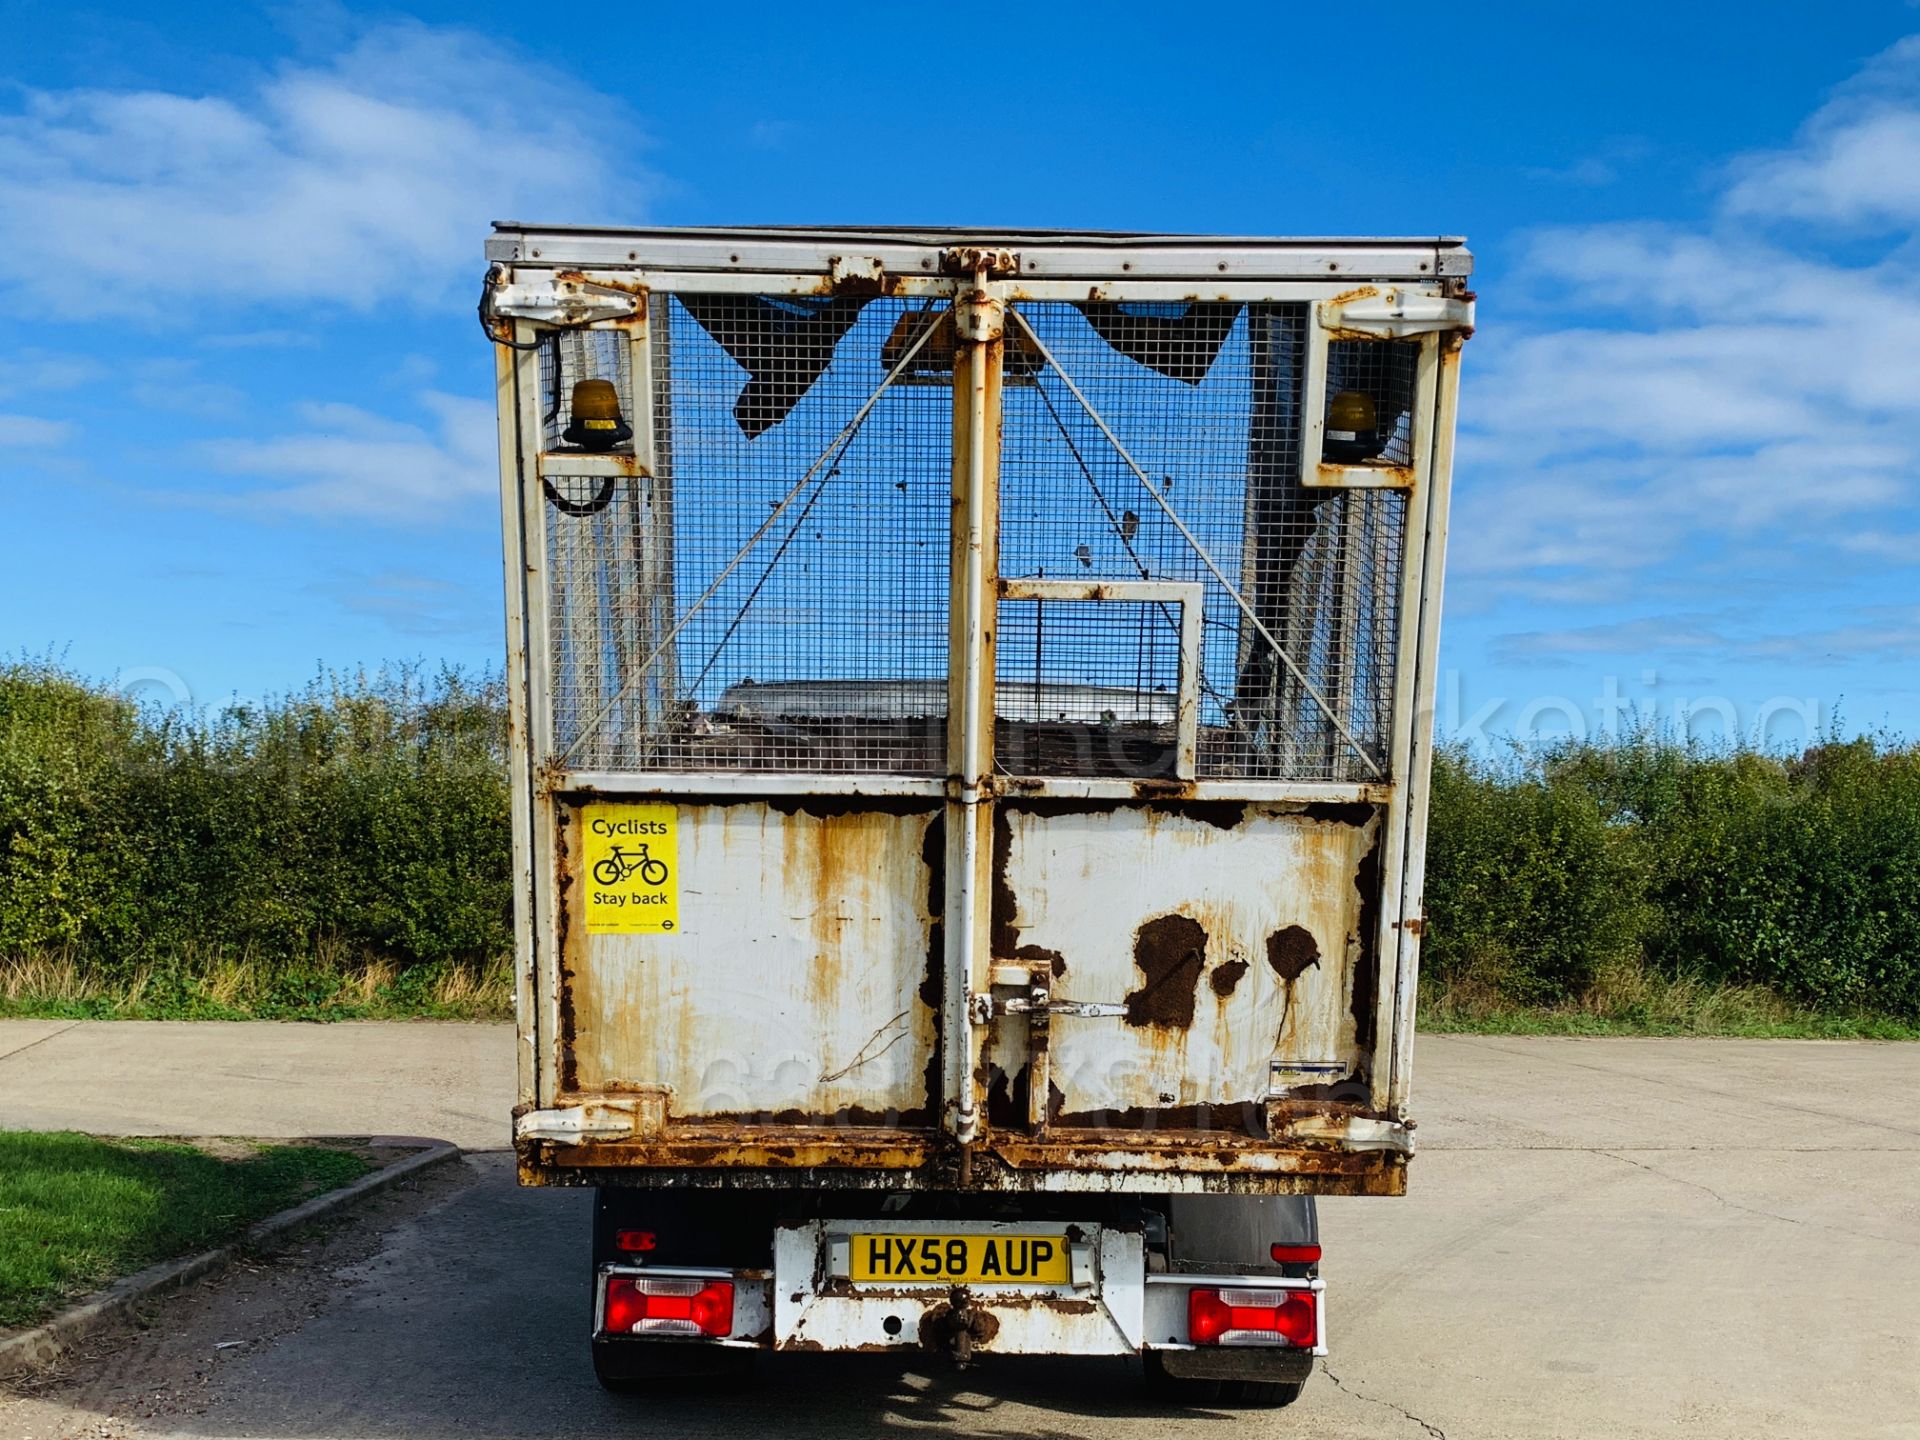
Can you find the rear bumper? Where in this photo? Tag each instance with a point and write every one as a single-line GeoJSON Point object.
{"type": "Point", "coordinates": [1109, 1306]}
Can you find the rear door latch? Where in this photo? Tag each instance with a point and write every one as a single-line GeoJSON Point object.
{"type": "Point", "coordinates": [1036, 1002]}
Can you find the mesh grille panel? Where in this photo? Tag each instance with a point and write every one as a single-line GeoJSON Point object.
{"type": "Point", "coordinates": [1086, 687]}
{"type": "Point", "coordinates": [1206, 400]}
{"type": "Point", "coordinates": [822, 645]}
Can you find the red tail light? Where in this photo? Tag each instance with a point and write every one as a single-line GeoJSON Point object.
{"type": "Point", "coordinates": [1296, 1254]}
{"type": "Point", "coordinates": [635, 1242]}
{"type": "Point", "coordinates": [642, 1305]}
{"type": "Point", "coordinates": [1252, 1317]}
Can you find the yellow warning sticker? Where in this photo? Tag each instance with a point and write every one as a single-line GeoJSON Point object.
{"type": "Point", "coordinates": [632, 866]}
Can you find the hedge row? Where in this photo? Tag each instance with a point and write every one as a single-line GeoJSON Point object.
{"type": "Point", "coordinates": [1801, 875]}
{"type": "Point", "coordinates": [365, 817]}
{"type": "Point", "coordinates": [362, 817]}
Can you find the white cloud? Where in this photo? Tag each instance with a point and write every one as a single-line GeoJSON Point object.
{"type": "Point", "coordinates": [29, 432]}
{"type": "Point", "coordinates": [1599, 169]}
{"type": "Point", "coordinates": [1718, 402]}
{"type": "Point", "coordinates": [36, 369]}
{"type": "Point", "coordinates": [1877, 632]}
{"type": "Point", "coordinates": [1857, 162]}
{"type": "Point", "coordinates": [413, 604]}
{"type": "Point", "coordinates": [360, 182]}
{"type": "Point", "coordinates": [174, 386]}
{"type": "Point", "coordinates": [349, 464]}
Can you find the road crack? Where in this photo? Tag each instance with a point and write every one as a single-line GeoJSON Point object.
{"type": "Point", "coordinates": [1750, 1209]}
{"type": "Point", "coordinates": [22, 1049]}
{"type": "Point", "coordinates": [1345, 1389]}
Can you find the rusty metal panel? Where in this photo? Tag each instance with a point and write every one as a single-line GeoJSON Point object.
{"type": "Point", "coordinates": [1233, 940]}
{"type": "Point", "coordinates": [794, 989]}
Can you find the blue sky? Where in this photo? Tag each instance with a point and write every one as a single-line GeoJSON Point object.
{"type": "Point", "coordinates": [245, 418]}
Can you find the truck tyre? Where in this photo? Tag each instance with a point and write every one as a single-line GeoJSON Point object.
{"type": "Point", "coordinates": [1262, 1394]}
{"type": "Point", "coordinates": [627, 1368]}
{"type": "Point", "coordinates": [1190, 1391]}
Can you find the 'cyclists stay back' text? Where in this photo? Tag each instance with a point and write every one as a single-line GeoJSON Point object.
{"type": "Point", "coordinates": [631, 863]}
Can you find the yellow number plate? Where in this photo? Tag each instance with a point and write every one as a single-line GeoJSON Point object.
{"type": "Point", "coordinates": [961, 1259]}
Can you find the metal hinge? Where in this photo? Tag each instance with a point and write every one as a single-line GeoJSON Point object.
{"type": "Point", "coordinates": [1392, 313]}
{"type": "Point", "coordinates": [562, 297]}
{"type": "Point", "coordinates": [631, 1116]}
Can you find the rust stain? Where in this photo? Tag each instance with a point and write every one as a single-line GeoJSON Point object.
{"type": "Point", "coordinates": [1039, 955]}
{"type": "Point", "coordinates": [1169, 952]}
{"type": "Point", "coordinates": [1391, 476]}
{"type": "Point", "coordinates": [956, 1325]}
{"type": "Point", "coordinates": [1355, 812]}
{"type": "Point", "coordinates": [862, 284]}
{"type": "Point", "coordinates": [1004, 905]}
{"type": "Point", "coordinates": [1361, 292]}
{"type": "Point", "coordinates": [1160, 787]}
{"type": "Point", "coordinates": [1204, 1121]}
{"type": "Point", "coordinates": [1291, 951]}
{"type": "Point", "coordinates": [563, 948]}
{"type": "Point", "coordinates": [1007, 1098]}
{"type": "Point", "coordinates": [1366, 968]}
{"type": "Point", "coordinates": [1221, 814]}
{"type": "Point", "coordinates": [1225, 977]}
{"type": "Point", "coordinates": [1009, 1164]}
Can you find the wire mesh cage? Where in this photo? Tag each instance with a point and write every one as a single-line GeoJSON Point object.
{"type": "Point", "coordinates": [772, 593]}
{"type": "Point", "coordinates": [1167, 446]}
{"type": "Point", "coordinates": [1086, 687]}
{"type": "Point", "coordinates": [782, 600]}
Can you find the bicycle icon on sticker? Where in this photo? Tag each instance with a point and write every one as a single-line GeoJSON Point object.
{"type": "Point", "coordinates": [619, 864]}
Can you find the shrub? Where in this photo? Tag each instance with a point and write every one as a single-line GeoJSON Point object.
{"type": "Point", "coordinates": [1532, 891]}
{"type": "Point", "coordinates": [364, 816]}
{"type": "Point", "coordinates": [1741, 869]}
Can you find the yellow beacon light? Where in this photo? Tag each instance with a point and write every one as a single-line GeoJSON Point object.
{"type": "Point", "coordinates": [597, 422]}
{"type": "Point", "coordinates": [1353, 428]}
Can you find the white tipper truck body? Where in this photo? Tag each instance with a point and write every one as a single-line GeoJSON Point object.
{"type": "Point", "coordinates": [971, 718]}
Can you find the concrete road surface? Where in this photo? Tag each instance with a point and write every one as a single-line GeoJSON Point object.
{"type": "Point", "coordinates": [165, 1077]}
{"type": "Point", "coordinates": [1605, 1238]}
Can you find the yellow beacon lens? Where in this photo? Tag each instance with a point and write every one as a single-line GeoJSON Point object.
{"type": "Point", "coordinates": [1352, 411]}
{"type": "Point", "coordinates": [597, 423]}
{"type": "Point", "coordinates": [1352, 435]}
{"type": "Point", "coordinates": [596, 404]}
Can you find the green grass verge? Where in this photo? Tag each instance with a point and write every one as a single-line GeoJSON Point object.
{"type": "Point", "coordinates": [77, 1212]}
{"type": "Point", "coordinates": [123, 1007]}
{"type": "Point", "coordinates": [1577, 1022]}
{"type": "Point", "coordinates": [1630, 999]}
{"type": "Point", "coordinates": [325, 987]}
